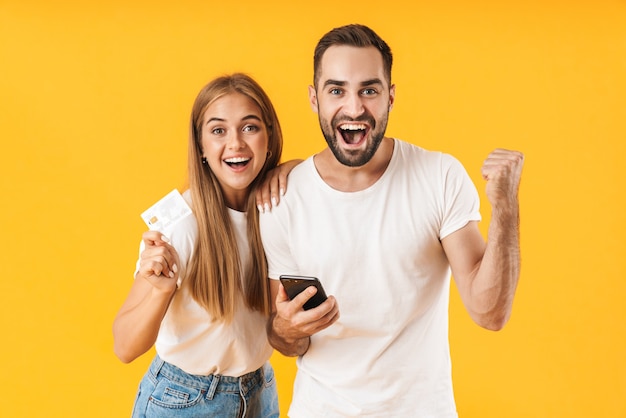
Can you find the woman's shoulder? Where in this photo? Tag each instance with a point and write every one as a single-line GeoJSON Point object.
{"type": "Point", "coordinates": [187, 196]}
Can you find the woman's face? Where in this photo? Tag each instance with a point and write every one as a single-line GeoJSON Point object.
{"type": "Point", "coordinates": [235, 144]}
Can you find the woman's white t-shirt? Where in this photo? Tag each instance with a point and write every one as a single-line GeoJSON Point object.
{"type": "Point", "coordinates": [190, 338]}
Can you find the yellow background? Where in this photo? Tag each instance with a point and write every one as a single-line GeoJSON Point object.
{"type": "Point", "coordinates": [94, 105]}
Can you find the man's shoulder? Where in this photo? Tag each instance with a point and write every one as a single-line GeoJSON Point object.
{"type": "Point", "coordinates": [301, 172]}
{"type": "Point", "coordinates": [408, 151]}
{"type": "Point", "coordinates": [412, 151]}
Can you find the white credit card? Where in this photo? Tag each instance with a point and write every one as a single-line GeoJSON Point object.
{"type": "Point", "coordinates": [166, 212]}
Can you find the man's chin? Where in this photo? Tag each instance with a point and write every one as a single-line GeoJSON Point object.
{"type": "Point", "coordinates": [355, 159]}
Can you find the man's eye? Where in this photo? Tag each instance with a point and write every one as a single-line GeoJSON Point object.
{"type": "Point", "coordinates": [335, 91]}
{"type": "Point", "coordinates": [369, 92]}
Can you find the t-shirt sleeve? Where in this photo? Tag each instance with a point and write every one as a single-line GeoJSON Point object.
{"type": "Point", "coordinates": [461, 201]}
{"type": "Point", "coordinates": [275, 237]}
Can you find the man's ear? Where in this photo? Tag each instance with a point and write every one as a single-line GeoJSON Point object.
{"type": "Point", "coordinates": [392, 96]}
{"type": "Point", "coordinates": [313, 98]}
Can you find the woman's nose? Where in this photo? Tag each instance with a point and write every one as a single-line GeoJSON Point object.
{"type": "Point", "coordinates": [235, 141]}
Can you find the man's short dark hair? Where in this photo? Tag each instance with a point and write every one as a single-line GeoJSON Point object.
{"type": "Point", "coordinates": [352, 35]}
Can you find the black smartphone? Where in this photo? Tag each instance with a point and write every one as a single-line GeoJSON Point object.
{"type": "Point", "coordinates": [295, 284]}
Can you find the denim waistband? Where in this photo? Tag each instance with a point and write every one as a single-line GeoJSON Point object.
{"type": "Point", "coordinates": [212, 383]}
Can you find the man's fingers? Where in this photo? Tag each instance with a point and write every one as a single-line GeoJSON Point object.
{"type": "Point", "coordinates": [281, 295]}
{"type": "Point", "coordinates": [304, 296]}
{"type": "Point", "coordinates": [502, 169]}
{"type": "Point", "coordinates": [501, 162]}
{"type": "Point", "coordinates": [296, 304]}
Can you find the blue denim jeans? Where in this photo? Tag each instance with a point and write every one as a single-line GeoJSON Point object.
{"type": "Point", "coordinates": [167, 391]}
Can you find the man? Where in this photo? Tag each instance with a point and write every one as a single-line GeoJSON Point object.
{"type": "Point", "coordinates": [382, 223]}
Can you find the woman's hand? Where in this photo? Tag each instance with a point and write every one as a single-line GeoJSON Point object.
{"type": "Point", "coordinates": [275, 185]}
{"type": "Point", "coordinates": [158, 262]}
{"type": "Point", "coordinates": [137, 323]}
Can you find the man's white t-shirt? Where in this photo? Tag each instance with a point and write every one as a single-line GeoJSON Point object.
{"type": "Point", "coordinates": [190, 338]}
{"type": "Point", "coordinates": [378, 251]}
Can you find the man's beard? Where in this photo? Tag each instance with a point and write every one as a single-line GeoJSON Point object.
{"type": "Point", "coordinates": [354, 158]}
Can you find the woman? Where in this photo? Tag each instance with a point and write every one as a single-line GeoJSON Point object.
{"type": "Point", "coordinates": [200, 295]}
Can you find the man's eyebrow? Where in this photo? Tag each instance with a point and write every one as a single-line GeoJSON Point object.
{"type": "Point", "coordinates": [362, 83]}
{"type": "Point", "coordinates": [371, 82]}
{"type": "Point", "coordinates": [334, 83]}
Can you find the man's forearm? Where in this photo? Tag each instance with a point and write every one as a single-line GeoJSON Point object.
{"type": "Point", "coordinates": [287, 347]}
{"type": "Point", "coordinates": [496, 280]}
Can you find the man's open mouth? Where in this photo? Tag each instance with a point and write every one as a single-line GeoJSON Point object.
{"type": "Point", "coordinates": [353, 133]}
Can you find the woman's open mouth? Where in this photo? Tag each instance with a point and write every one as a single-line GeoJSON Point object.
{"type": "Point", "coordinates": [237, 162]}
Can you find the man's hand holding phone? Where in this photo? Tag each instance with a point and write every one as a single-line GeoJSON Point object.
{"type": "Point", "coordinates": [294, 285]}
{"type": "Point", "coordinates": [291, 325]}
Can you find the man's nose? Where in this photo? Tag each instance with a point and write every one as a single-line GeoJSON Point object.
{"type": "Point", "coordinates": [353, 106]}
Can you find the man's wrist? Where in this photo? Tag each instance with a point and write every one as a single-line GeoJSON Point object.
{"type": "Point", "coordinates": [290, 347]}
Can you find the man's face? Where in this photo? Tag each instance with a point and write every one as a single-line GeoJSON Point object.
{"type": "Point", "coordinates": [352, 99]}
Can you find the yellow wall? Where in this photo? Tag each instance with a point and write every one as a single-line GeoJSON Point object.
{"type": "Point", "coordinates": [94, 103]}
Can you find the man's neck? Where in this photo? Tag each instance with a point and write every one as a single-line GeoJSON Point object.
{"type": "Point", "coordinates": [353, 179]}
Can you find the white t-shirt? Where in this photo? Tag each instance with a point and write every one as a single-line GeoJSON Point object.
{"type": "Point", "coordinates": [191, 339]}
{"type": "Point", "coordinates": [378, 251]}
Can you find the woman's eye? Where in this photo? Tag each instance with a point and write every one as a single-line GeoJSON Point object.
{"type": "Point", "coordinates": [250, 128]}
{"type": "Point", "coordinates": [217, 131]}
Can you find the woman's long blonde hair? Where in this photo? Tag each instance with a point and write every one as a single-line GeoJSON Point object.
{"type": "Point", "coordinates": [215, 273]}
